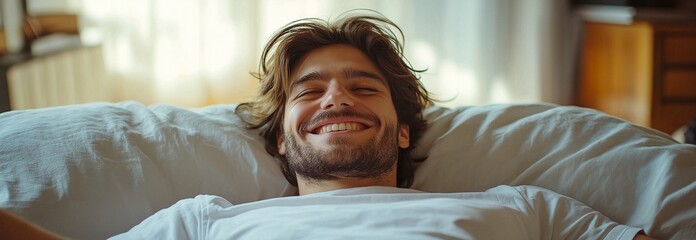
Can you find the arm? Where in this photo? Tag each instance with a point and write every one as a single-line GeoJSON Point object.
{"type": "Point", "coordinates": [642, 236]}
{"type": "Point", "coordinates": [14, 227]}
{"type": "Point", "coordinates": [568, 218]}
{"type": "Point", "coordinates": [179, 221]}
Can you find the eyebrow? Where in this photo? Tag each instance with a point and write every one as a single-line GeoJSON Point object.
{"type": "Point", "coordinates": [348, 73]}
{"type": "Point", "coordinates": [357, 73]}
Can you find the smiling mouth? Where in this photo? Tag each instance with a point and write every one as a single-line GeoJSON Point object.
{"type": "Point", "coordinates": [339, 127]}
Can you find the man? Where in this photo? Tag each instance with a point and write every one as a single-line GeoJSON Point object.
{"type": "Point", "coordinates": [340, 109]}
{"type": "Point", "coordinates": [323, 104]}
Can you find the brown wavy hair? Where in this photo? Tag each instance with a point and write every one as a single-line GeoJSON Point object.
{"type": "Point", "coordinates": [373, 35]}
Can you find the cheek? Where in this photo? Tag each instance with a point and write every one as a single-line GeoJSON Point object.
{"type": "Point", "coordinates": [387, 110]}
{"type": "Point", "coordinates": [295, 115]}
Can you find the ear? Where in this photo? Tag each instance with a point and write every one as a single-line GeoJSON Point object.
{"type": "Point", "coordinates": [281, 143]}
{"type": "Point", "coordinates": [404, 136]}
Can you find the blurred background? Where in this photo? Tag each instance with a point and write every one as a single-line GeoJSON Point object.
{"type": "Point", "coordinates": [193, 53]}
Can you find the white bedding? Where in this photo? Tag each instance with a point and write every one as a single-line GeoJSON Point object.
{"type": "Point", "coordinates": [91, 171]}
{"type": "Point", "coordinates": [385, 213]}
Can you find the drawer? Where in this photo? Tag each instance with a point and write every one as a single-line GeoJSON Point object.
{"type": "Point", "coordinates": [679, 49]}
{"type": "Point", "coordinates": [679, 85]}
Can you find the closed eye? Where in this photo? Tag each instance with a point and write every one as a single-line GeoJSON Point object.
{"type": "Point", "coordinates": [365, 90]}
{"type": "Point", "coordinates": [308, 93]}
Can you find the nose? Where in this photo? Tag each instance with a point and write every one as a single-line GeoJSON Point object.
{"type": "Point", "coordinates": [337, 96]}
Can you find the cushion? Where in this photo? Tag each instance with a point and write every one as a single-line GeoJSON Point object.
{"type": "Point", "coordinates": [91, 171]}
{"type": "Point", "coordinates": [634, 175]}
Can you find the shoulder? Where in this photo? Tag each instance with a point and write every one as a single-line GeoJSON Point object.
{"type": "Point", "coordinates": [192, 207]}
{"type": "Point", "coordinates": [182, 220]}
{"type": "Point", "coordinates": [527, 192]}
{"type": "Point", "coordinates": [208, 200]}
{"type": "Point", "coordinates": [201, 203]}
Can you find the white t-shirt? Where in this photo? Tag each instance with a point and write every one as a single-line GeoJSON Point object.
{"type": "Point", "coordinates": [503, 212]}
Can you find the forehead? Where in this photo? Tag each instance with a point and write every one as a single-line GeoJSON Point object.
{"type": "Point", "coordinates": [334, 59]}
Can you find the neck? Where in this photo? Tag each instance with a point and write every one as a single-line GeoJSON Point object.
{"type": "Point", "coordinates": [306, 186]}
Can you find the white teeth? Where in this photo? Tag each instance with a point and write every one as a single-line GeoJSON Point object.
{"type": "Point", "coordinates": [339, 127]}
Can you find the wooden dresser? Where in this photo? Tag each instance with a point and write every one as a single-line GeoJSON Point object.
{"type": "Point", "coordinates": [643, 71]}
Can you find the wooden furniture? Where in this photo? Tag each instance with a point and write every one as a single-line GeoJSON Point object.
{"type": "Point", "coordinates": [644, 72]}
{"type": "Point", "coordinates": [6, 62]}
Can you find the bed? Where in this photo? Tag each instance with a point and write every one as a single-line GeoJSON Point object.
{"type": "Point", "coordinates": [94, 170]}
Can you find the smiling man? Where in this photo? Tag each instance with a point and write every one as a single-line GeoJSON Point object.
{"type": "Point", "coordinates": [339, 105]}
{"type": "Point", "coordinates": [340, 127]}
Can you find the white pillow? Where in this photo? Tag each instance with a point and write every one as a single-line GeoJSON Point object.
{"type": "Point", "coordinates": [634, 175]}
{"type": "Point", "coordinates": [94, 170]}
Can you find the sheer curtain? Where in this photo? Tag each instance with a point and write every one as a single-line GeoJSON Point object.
{"type": "Point", "coordinates": [198, 52]}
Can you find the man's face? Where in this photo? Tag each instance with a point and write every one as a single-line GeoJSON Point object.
{"type": "Point", "coordinates": [339, 119]}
